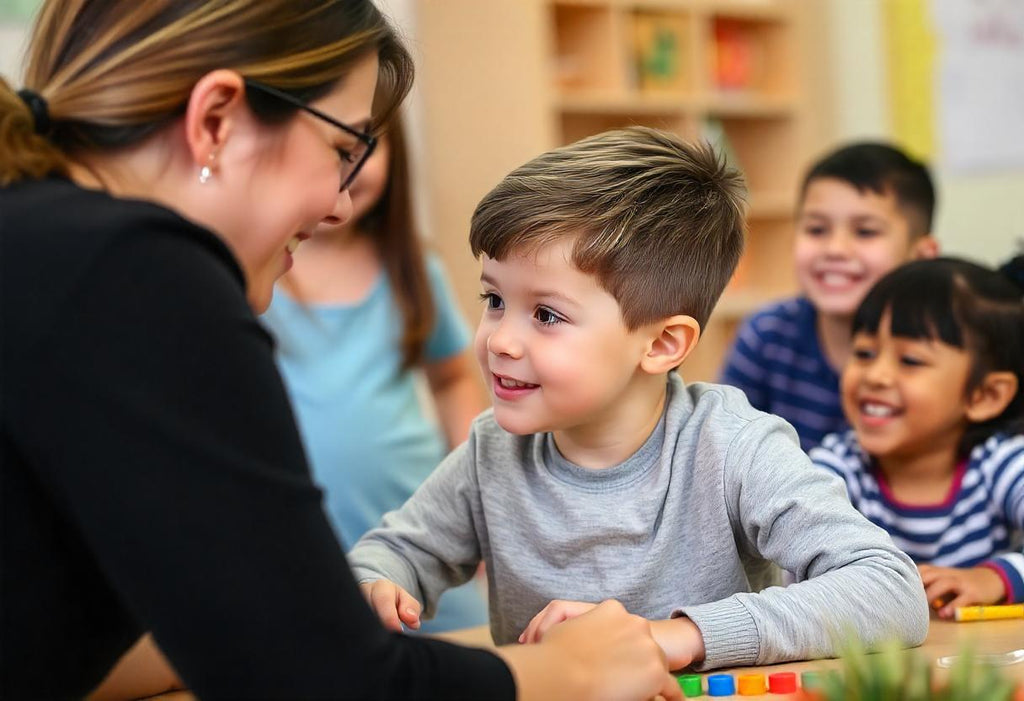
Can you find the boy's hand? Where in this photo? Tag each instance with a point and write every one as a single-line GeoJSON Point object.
{"type": "Point", "coordinates": [392, 604]}
{"type": "Point", "coordinates": [681, 641]}
{"type": "Point", "coordinates": [551, 615]}
{"type": "Point", "coordinates": [953, 587]}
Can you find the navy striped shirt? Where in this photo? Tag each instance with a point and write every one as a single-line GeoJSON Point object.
{"type": "Point", "coordinates": [981, 522]}
{"type": "Point", "coordinates": [777, 360]}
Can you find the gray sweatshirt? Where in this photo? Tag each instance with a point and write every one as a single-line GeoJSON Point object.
{"type": "Point", "coordinates": [690, 524]}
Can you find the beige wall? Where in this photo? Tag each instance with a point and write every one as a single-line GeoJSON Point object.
{"type": "Point", "coordinates": [12, 39]}
{"type": "Point", "coordinates": [979, 216]}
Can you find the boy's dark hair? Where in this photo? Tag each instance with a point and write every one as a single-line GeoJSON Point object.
{"type": "Point", "coordinates": [882, 168]}
{"type": "Point", "coordinates": [658, 221]}
{"type": "Point", "coordinates": [965, 305]}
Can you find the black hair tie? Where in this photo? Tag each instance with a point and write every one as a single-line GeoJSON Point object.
{"type": "Point", "coordinates": [39, 109]}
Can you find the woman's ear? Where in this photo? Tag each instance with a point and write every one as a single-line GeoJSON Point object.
{"type": "Point", "coordinates": [673, 339]}
{"type": "Point", "coordinates": [992, 395]}
{"type": "Point", "coordinates": [211, 115]}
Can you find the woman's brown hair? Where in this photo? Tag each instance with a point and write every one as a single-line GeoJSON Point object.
{"type": "Point", "coordinates": [113, 72]}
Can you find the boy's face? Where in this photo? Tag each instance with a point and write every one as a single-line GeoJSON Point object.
{"type": "Point", "coordinates": [552, 344]}
{"type": "Point", "coordinates": [846, 240]}
{"type": "Point", "coordinates": [905, 397]}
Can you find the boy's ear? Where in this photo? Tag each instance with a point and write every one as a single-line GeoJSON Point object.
{"type": "Point", "coordinates": [926, 246]}
{"type": "Point", "coordinates": [994, 393]}
{"type": "Point", "coordinates": [672, 341]}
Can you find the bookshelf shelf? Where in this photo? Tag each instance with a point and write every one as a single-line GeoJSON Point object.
{"type": "Point", "coordinates": [723, 70]}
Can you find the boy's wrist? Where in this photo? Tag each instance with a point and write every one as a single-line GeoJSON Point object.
{"type": "Point", "coordinates": [681, 641]}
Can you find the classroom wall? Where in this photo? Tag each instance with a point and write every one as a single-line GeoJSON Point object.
{"type": "Point", "coordinates": [12, 42]}
{"type": "Point", "coordinates": [979, 216]}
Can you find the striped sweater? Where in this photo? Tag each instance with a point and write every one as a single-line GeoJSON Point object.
{"type": "Point", "coordinates": [778, 362]}
{"type": "Point", "coordinates": [980, 523]}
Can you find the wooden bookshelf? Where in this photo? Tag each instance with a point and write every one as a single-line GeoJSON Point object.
{"type": "Point", "coordinates": [503, 80]}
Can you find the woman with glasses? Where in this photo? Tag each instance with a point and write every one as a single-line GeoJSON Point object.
{"type": "Point", "coordinates": [157, 171]}
{"type": "Point", "coordinates": [364, 315]}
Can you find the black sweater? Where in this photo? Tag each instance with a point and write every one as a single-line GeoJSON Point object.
{"type": "Point", "coordinates": [152, 476]}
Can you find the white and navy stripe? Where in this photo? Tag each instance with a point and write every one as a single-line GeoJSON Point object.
{"type": "Point", "coordinates": [981, 522]}
{"type": "Point", "coordinates": [778, 362]}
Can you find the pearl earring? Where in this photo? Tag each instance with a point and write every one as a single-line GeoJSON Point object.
{"type": "Point", "coordinates": [205, 174]}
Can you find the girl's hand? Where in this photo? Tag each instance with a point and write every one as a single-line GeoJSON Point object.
{"type": "Point", "coordinates": [552, 614]}
{"type": "Point", "coordinates": [951, 587]}
{"type": "Point", "coordinates": [392, 604]}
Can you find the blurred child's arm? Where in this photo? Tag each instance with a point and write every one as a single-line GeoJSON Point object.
{"type": "Point", "coordinates": [392, 604]}
{"type": "Point", "coordinates": [953, 587]}
{"type": "Point", "coordinates": [430, 544]}
{"type": "Point", "coordinates": [679, 638]}
{"type": "Point", "coordinates": [458, 394]}
{"type": "Point", "coordinates": [448, 361]}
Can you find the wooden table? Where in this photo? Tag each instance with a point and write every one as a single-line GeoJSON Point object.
{"type": "Point", "coordinates": [945, 638]}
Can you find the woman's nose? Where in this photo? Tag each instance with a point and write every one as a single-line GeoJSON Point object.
{"type": "Point", "coordinates": [342, 211]}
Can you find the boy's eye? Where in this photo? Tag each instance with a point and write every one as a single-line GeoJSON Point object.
{"type": "Point", "coordinates": [863, 233]}
{"type": "Point", "coordinates": [911, 361]}
{"type": "Point", "coordinates": [863, 353]}
{"type": "Point", "coordinates": [492, 300]}
{"type": "Point", "coordinates": [814, 230]}
{"type": "Point", "coordinates": [547, 317]}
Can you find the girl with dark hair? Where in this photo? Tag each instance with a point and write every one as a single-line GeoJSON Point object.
{"type": "Point", "coordinates": [933, 391]}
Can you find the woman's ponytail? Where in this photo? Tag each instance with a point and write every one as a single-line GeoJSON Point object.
{"type": "Point", "coordinates": [25, 152]}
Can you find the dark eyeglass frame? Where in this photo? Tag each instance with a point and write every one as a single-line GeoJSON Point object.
{"type": "Point", "coordinates": [368, 140]}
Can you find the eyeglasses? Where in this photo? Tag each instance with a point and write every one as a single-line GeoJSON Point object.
{"type": "Point", "coordinates": [353, 157]}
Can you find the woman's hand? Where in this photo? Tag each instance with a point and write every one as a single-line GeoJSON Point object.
{"type": "Point", "coordinates": [552, 614]}
{"type": "Point", "coordinates": [605, 653]}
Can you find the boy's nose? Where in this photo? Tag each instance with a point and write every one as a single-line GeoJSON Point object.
{"type": "Point", "coordinates": [503, 341]}
{"type": "Point", "coordinates": [838, 244]}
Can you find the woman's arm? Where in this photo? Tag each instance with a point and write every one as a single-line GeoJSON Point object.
{"type": "Point", "coordinates": [458, 395]}
{"type": "Point", "coordinates": [142, 671]}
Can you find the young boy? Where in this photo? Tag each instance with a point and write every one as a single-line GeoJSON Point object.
{"type": "Point", "coordinates": [864, 210]}
{"type": "Point", "coordinates": [598, 473]}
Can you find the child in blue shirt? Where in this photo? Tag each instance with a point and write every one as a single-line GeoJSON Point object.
{"type": "Point", "coordinates": [362, 313]}
{"type": "Point", "coordinates": [864, 209]}
{"type": "Point", "coordinates": [936, 454]}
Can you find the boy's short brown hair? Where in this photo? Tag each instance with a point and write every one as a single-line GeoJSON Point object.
{"type": "Point", "coordinates": [658, 221]}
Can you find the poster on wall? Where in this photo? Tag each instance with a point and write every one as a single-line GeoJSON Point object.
{"type": "Point", "coordinates": [980, 74]}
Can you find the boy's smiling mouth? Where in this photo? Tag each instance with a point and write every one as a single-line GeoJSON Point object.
{"type": "Point", "coordinates": [510, 388]}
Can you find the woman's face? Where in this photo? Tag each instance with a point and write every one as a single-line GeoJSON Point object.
{"type": "Point", "coordinates": [292, 180]}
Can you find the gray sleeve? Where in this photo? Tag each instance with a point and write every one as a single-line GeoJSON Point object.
{"type": "Point", "coordinates": [850, 577]}
{"type": "Point", "coordinates": [428, 545]}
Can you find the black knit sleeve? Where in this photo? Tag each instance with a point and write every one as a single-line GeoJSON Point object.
{"type": "Point", "coordinates": [159, 421]}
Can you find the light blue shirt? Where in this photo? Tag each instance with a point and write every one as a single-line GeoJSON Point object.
{"type": "Point", "coordinates": [368, 439]}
